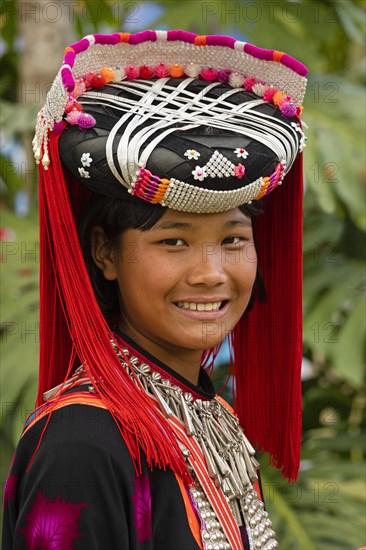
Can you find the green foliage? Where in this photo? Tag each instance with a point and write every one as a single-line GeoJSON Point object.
{"type": "Point", "coordinates": [324, 509]}
{"type": "Point", "coordinates": [334, 321]}
{"type": "Point", "coordinates": [19, 345]}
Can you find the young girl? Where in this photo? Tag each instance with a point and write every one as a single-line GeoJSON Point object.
{"type": "Point", "coordinates": [146, 268]}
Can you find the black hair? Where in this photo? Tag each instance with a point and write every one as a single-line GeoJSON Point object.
{"type": "Point", "coordinates": [115, 216]}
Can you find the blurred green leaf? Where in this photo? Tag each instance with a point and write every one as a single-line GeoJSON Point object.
{"type": "Point", "coordinates": [349, 358]}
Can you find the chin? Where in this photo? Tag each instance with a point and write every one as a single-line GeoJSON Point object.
{"type": "Point", "coordinates": [211, 334]}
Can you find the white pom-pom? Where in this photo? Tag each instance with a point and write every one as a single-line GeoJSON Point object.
{"type": "Point", "coordinates": [236, 80]}
{"type": "Point", "coordinates": [239, 45]}
{"type": "Point", "coordinates": [91, 39]}
{"type": "Point", "coordinates": [119, 74]}
{"type": "Point", "coordinates": [192, 70]}
{"type": "Point", "coordinates": [258, 89]}
{"type": "Point", "coordinates": [161, 35]}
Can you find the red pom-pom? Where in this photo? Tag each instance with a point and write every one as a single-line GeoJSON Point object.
{"type": "Point", "coordinates": [146, 72]}
{"type": "Point", "coordinates": [97, 81]}
{"type": "Point", "coordinates": [73, 106]}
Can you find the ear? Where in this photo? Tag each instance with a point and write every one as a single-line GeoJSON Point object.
{"type": "Point", "coordinates": [103, 253]}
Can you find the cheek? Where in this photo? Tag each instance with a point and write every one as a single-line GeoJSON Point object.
{"type": "Point", "coordinates": [245, 268]}
{"type": "Point", "coordinates": [145, 281]}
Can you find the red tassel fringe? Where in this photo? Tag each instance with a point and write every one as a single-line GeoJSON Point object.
{"type": "Point", "coordinates": [268, 341]}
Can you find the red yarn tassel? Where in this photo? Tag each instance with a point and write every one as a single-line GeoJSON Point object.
{"type": "Point", "coordinates": [72, 324]}
{"type": "Point", "coordinates": [268, 341]}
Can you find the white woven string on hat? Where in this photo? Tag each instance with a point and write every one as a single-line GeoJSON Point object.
{"type": "Point", "coordinates": [172, 109]}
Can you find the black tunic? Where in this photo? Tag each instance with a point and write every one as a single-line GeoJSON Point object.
{"type": "Point", "coordinates": [81, 491]}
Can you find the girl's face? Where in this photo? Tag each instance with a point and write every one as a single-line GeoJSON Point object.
{"type": "Point", "coordinates": [185, 283]}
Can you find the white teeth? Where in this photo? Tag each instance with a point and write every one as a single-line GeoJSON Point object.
{"type": "Point", "coordinates": [212, 306]}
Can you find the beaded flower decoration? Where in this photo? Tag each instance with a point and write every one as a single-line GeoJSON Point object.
{"type": "Point", "coordinates": [279, 80]}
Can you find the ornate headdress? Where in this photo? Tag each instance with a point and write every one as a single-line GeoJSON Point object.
{"type": "Point", "coordinates": [198, 124]}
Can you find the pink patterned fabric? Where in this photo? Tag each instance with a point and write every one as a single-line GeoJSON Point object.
{"type": "Point", "coordinates": [52, 525]}
{"type": "Point", "coordinates": [142, 508]}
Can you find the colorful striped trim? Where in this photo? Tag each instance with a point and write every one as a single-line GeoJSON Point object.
{"type": "Point", "coordinates": [173, 35]}
{"type": "Point", "coordinates": [191, 515]}
{"type": "Point", "coordinates": [214, 495]}
{"type": "Point", "coordinates": [152, 189]}
{"type": "Point", "coordinates": [76, 398]}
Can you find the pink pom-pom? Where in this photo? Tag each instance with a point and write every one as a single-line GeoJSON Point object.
{"type": "Point", "coordinates": [223, 76]}
{"type": "Point", "coordinates": [288, 109]}
{"type": "Point", "coordinates": [88, 79]}
{"type": "Point", "coordinates": [79, 88]}
{"type": "Point", "coordinates": [132, 72]}
{"type": "Point", "coordinates": [59, 127]}
{"type": "Point", "coordinates": [73, 117]}
{"type": "Point", "coordinates": [249, 83]}
{"type": "Point", "coordinates": [67, 80]}
{"type": "Point", "coordinates": [86, 121]}
{"type": "Point", "coordinates": [239, 171]}
{"type": "Point", "coordinates": [208, 73]}
{"type": "Point", "coordinates": [161, 70]}
{"type": "Point", "coordinates": [269, 93]}
{"type": "Point", "coordinates": [69, 58]}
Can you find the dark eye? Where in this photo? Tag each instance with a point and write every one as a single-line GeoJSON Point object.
{"type": "Point", "coordinates": [233, 240]}
{"type": "Point", "coordinates": [173, 242]}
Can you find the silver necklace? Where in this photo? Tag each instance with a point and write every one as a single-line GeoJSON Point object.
{"type": "Point", "coordinates": [228, 455]}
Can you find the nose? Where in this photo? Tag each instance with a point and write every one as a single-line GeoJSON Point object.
{"type": "Point", "coordinates": [207, 267]}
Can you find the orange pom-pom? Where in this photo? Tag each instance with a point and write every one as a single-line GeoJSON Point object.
{"type": "Point", "coordinates": [73, 106]}
{"type": "Point", "coordinates": [277, 98]}
{"type": "Point", "coordinates": [124, 36]}
{"type": "Point", "coordinates": [176, 71]}
{"type": "Point", "coordinates": [277, 56]}
{"type": "Point", "coordinates": [200, 40]}
{"type": "Point", "coordinates": [107, 74]}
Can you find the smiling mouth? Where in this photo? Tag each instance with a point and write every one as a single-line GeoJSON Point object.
{"type": "Point", "coordinates": [197, 306]}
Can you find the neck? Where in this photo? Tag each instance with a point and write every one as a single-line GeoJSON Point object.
{"type": "Point", "coordinates": [186, 363]}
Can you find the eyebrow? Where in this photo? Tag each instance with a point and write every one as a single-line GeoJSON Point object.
{"type": "Point", "coordinates": [184, 225]}
{"type": "Point", "coordinates": [173, 225]}
{"type": "Point", "coordinates": [233, 223]}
